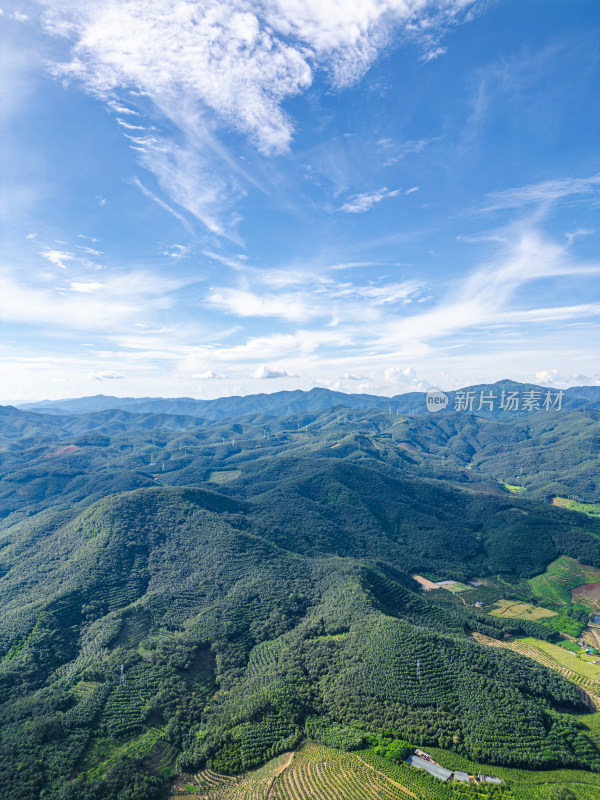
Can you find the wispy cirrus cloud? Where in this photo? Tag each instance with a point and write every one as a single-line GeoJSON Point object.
{"type": "Point", "coordinates": [483, 297]}
{"type": "Point", "coordinates": [312, 298]}
{"type": "Point", "coordinates": [227, 62]}
{"type": "Point", "coordinates": [400, 150]}
{"type": "Point", "coordinates": [572, 235]}
{"type": "Point", "coordinates": [359, 203]}
{"type": "Point", "coordinates": [543, 193]}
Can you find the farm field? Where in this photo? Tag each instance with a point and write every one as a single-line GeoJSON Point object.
{"type": "Point", "coordinates": [456, 587]}
{"type": "Point", "coordinates": [577, 670]}
{"type": "Point", "coordinates": [425, 582]}
{"type": "Point", "coordinates": [562, 576]}
{"type": "Point", "coordinates": [591, 509]}
{"type": "Point", "coordinates": [589, 591]}
{"type": "Point", "coordinates": [316, 772]}
{"type": "Point", "coordinates": [508, 608]}
{"type": "Point", "coordinates": [313, 771]}
{"type": "Point", "coordinates": [513, 488]}
{"type": "Point", "coordinates": [161, 629]}
{"type": "Point", "coordinates": [224, 476]}
{"type": "Point", "coordinates": [449, 585]}
{"type": "Point", "coordinates": [563, 657]}
{"type": "Point", "coordinates": [529, 784]}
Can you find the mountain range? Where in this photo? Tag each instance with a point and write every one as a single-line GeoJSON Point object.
{"type": "Point", "coordinates": [204, 590]}
{"type": "Point", "coordinates": [282, 404]}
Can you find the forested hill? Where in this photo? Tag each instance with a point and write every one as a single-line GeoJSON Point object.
{"type": "Point", "coordinates": [282, 404]}
{"type": "Point", "coordinates": [179, 592]}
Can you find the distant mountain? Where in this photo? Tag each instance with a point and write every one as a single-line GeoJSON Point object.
{"type": "Point", "coordinates": [17, 423]}
{"type": "Point", "coordinates": [180, 592]}
{"type": "Point", "coordinates": [282, 404]}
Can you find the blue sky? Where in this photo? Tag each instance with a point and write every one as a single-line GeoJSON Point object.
{"type": "Point", "coordinates": [230, 197]}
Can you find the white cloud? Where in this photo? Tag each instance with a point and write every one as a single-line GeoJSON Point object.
{"type": "Point", "coordinates": [120, 300]}
{"type": "Point", "coordinates": [120, 109]}
{"type": "Point", "coordinates": [403, 149]}
{"type": "Point", "coordinates": [216, 53]}
{"type": "Point", "coordinates": [162, 204]}
{"type": "Point", "coordinates": [89, 250]}
{"type": "Point", "coordinates": [359, 203]}
{"type": "Point", "coordinates": [570, 237]}
{"type": "Point", "coordinates": [247, 304]}
{"type": "Point", "coordinates": [347, 376]}
{"type": "Point", "coordinates": [398, 375]}
{"type": "Point", "coordinates": [186, 174]}
{"type": "Point", "coordinates": [105, 375]}
{"type": "Point", "coordinates": [235, 262]}
{"type": "Point", "coordinates": [541, 193]}
{"type": "Point", "coordinates": [554, 378]}
{"type": "Point", "coordinates": [483, 296]}
{"type": "Point", "coordinates": [548, 377]}
{"type": "Point", "coordinates": [176, 251]}
{"type": "Point", "coordinates": [128, 126]}
{"type": "Point", "coordinates": [209, 374]}
{"type": "Point", "coordinates": [263, 371]}
{"type": "Point", "coordinates": [434, 52]}
{"type": "Point", "coordinates": [86, 287]}
{"type": "Point", "coordinates": [57, 257]}
{"type": "Point", "coordinates": [387, 293]}
{"type": "Point", "coordinates": [316, 297]}
{"type": "Point", "coordinates": [228, 62]}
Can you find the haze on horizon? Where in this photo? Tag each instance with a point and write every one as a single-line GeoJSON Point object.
{"type": "Point", "coordinates": [221, 198]}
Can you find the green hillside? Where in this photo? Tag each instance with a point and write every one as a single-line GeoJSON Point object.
{"type": "Point", "coordinates": [178, 596]}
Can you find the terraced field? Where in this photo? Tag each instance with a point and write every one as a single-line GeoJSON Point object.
{"type": "Point", "coordinates": [508, 608]}
{"type": "Point", "coordinates": [319, 771]}
{"type": "Point", "coordinates": [582, 673]}
{"type": "Point", "coordinates": [561, 577]}
{"type": "Point", "coordinates": [206, 784]}
{"type": "Point", "coordinates": [314, 771]}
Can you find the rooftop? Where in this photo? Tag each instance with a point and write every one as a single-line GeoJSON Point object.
{"type": "Point", "coordinates": [432, 769]}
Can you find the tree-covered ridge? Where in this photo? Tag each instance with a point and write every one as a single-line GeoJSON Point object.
{"type": "Point", "coordinates": [149, 622]}
{"type": "Point", "coordinates": [286, 403]}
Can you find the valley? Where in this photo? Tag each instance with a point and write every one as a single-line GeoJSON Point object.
{"type": "Point", "coordinates": [184, 599]}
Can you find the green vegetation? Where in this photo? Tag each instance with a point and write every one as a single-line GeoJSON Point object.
{"type": "Point", "coordinates": [561, 577]}
{"type": "Point", "coordinates": [391, 749]}
{"type": "Point", "coordinates": [513, 488]}
{"type": "Point", "coordinates": [564, 658]}
{"type": "Point", "coordinates": [571, 621]}
{"type": "Point", "coordinates": [223, 476]}
{"type": "Point", "coordinates": [516, 610]}
{"type": "Point", "coordinates": [174, 606]}
{"type": "Point", "coordinates": [573, 647]}
{"type": "Point", "coordinates": [591, 509]}
{"type": "Point", "coordinates": [527, 784]}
